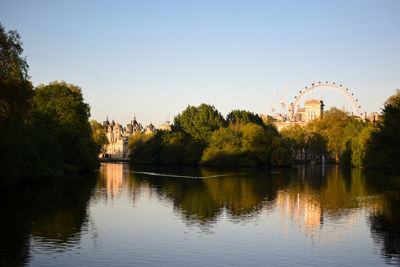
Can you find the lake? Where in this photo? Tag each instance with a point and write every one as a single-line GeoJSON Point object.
{"type": "Point", "coordinates": [162, 216]}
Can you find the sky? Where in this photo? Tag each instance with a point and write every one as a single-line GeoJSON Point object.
{"type": "Point", "coordinates": [154, 58]}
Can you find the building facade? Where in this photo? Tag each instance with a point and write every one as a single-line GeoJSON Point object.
{"type": "Point", "coordinates": [118, 137]}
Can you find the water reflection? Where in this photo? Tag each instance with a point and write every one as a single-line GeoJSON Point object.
{"type": "Point", "coordinates": [321, 204]}
{"type": "Point", "coordinates": [52, 216]}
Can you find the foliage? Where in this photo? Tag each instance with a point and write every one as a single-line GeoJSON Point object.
{"type": "Point", "coordinates": [99, 135]}
{"type": "Point", "coordinates": [332, 127]}
{"type": "Point", "coordinates": [238, 118]}
{"type": "Point", "coordinates": [347, 138]}
{"type": "Point", "coordinates": [174, 147]}
{"type": "Point", "coordinates": [225, 148]}
{"type": "Point", "coordinates": [145, 148]}
{"type": "Point", "coordinates": [384, 147]}
{"type": "Point", "coordinates": [295, 137]}
{"type": "Point", "coordinates": [67, 118]}
{"type": "Point", "coordinates": [15, 88]}
{"type": "Point", "coordinates": [199, 122]}
{"type": "Point", "coordinates": [252, 145]}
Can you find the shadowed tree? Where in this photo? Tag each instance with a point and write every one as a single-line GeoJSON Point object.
{"type": "Point", "coordinates": [384, 148]}
{"type": "Point", "coordinates": [15, 88]}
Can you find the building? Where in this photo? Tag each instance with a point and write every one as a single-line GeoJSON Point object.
{"type": "Point", "coordinates": [374, 117]}
{"type": "Point", "coordinates": [165, 127]}
{"type": "Point", "coordinates": [313, 109]}
{"type": "Point", "coordinates": [118, 138]}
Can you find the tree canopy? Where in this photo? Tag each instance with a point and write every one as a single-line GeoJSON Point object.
{"type": "Point", "coordinates": [238, 118]}
{"type": "Point", "coordinates": [199, 122]}
{"type": "Point", "coordinates": [15, 88]}
{"type": "Point", "coordinates": [384, 147]}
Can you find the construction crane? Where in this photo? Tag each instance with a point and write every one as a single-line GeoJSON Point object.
{"type": "Point", "coordinates": [283, 103]}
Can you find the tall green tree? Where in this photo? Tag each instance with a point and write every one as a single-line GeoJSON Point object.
{"type": "Point", "coordinates": [99, 135]}
{"type": "Point", "coordinates": [67, 117]}
{"type": "Point", "coordinates": [15, 88]}
{"type": "Point", "coordinates": [199, 122]}
{"type": "Point", "coordinates": [332, 127]}
{"type": "Point", "coordinates": [238, 118]}
{"type": "Point", "coordinates": [384, 149]}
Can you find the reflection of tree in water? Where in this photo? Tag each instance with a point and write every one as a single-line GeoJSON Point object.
{"type": "Point", "coordinates": [385, 217]}
{"type": "Point", "coordinates": [202, 201]}
{"type": "Point", "coordinates": [325, 204]}
{"type": "Point", "coordinates": [51, 214]}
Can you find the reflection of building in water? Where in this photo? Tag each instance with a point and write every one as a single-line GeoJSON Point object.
{"type": "Point", "coordinates": [117, 180]}
{"type": "Point", "coordinates": [112, 175]}
{"type": "Point", "coordinates": [306, 211]}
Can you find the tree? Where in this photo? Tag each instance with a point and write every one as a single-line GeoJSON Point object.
{"type": "Point", "coordinates": [62, 104]}
{"type": "Point", "coordinates": [65, 102]}
{"type": "Point", "coordinates": [332, 127]}
{"type": "Point", "coordinates": [384, 148]}
{"type": "Point", "coordinates": [145, 148]}
{"type": "Point", "coordinates": [238, 118]}
{"type": "Point", "coordinates": [199, 122]}
{"type": "Point", "coordinates": [99, 135]}
{"type": "Point", "coordinates": [224, 148]}
{"type": "Point", "coordinates": [295, 136]}
{"type": "Point", "coordinates": [15, 88]}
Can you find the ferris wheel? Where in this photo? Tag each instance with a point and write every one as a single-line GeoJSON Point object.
{"type": "Point", "coordinates": [327, 86]}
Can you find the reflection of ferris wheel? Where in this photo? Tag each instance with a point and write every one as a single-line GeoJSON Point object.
{"type": "Point", "coordinates": [328, 86]}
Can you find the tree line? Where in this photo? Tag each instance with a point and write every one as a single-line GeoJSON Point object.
{"type": "Point", "coordinates": [44, 130]}
{"type": "Point", "coordinates": [350, 141]}
{"type": "Point", "coordinates": [202, 136]}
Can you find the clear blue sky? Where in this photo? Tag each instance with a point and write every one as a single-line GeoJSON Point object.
{"type": "Point", "coordinates": [153, 58]}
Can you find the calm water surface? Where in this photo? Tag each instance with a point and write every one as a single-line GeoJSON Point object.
{"type": "Point", "coordinates": [148, 216]}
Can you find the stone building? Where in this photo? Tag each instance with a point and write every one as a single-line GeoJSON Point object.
{"type": "Point", "coordinates": [313, 109]}
{"type": "Point", "coordinates": [118, 137]}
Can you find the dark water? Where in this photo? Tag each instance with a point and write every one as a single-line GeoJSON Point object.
{"type": "Point", "coordinates": [124, 216]}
